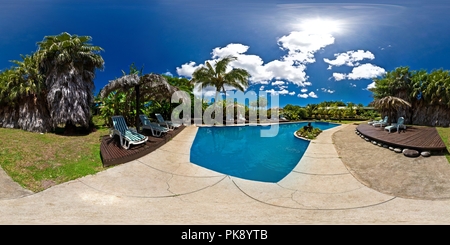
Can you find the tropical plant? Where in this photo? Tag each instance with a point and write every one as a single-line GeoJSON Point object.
{"type": "Point", "coordinates": [350, 110]}
{"type": "Point", "coordinates": [68, 63]}
{"type": "Point", "coordinates": [311, 110]}
{"type": "Point", "coordinates": [308, 133]}
{"type": "Point", "coordinates": [294, 112]}
{"type": "Point", "coordinates": [219, 76]}
{"type": "Point", "coordinates": [428, 94]}
{"type": "Point", "coordinates": [337, 112]}
{"type": "Point", "coordinates": [139, 93]}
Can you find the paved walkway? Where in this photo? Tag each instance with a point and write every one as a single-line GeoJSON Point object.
{"type": "Point", "coordinates": [163, 187]}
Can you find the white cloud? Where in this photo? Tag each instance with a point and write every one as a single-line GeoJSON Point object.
{"type": "Point", "coordinates": [261, 88]}
{"type": "Point", "coordinates": [350, 58]}
{"type": "Point", "coordinates": [304, 90]}
{"type": "Point", "coordinates": [312, 95]}
{"type": "Point", "coordinates": [352, 85]}
{"type": "Point", "coordinates": [366, 71]}
{"type": "Point", "coordinates": [292, 93]}
{"type": "Point", "coordinates": [280, 92]}
{"type": "Point", "coordinates": [187, 69]}
{"type": "Point", "coordinates": [286, 70]}
{"type": "Point", "coordinates": [278, 83]}
{"type": "Point", "coordinates": [234, 49]}
{"type": "Point", "coordinates": [372, 85]}
{"type": "Point", "coordinates": [327, 90]}
{"type": "Point", "coordinates": [300, 48]}
{"type": "Point", "coordinates": [304, 42]}
{"type": "Point", "coordinates": [339, 76]}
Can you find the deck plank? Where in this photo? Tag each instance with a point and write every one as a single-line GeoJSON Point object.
{"type": "Point", "coordinates": [414, 137]}
{"type": "Point", "coordinates": [112, 153]}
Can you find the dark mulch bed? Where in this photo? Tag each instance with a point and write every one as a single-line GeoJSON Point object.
{"type": "Point", "coordinates": [112, 153]}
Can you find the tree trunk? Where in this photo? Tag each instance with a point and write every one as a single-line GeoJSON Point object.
{"type": "Point", "coordinates": [31, 114]}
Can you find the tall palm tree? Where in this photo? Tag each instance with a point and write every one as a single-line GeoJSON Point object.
{"type": "Point", "coordinates": [337, 112]}
{"type": "Point", "coordinates": [311, 109]}
{"type": "Point", "coordinates": [68, 63]}
{"type": "Point", "coordinates": [218, 77]}
{"type": "Point", "coordinates": [22, 97]}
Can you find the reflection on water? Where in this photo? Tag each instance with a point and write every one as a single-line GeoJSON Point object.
{"type": "Point", "coordinates": [240, 151]}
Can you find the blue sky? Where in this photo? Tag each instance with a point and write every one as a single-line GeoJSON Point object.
{"type": "Point", "coordinates": [304, 52]}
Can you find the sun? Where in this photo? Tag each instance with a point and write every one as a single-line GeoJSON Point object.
{"type": "Point", "coordinates": [320, 26]}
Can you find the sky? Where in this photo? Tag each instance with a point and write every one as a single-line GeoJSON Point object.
{"type": "Point", "coordinates": [302, 52]}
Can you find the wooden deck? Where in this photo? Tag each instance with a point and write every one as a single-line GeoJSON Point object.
{"type": "Point", "coordinates": [112, 153]}
{"type": "Point", "coordinates": [419, 138]}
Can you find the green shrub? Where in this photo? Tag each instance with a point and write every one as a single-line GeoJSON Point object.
{"type": "Point", "coordinates": [308, 133]}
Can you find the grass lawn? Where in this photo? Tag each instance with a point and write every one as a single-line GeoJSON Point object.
{"type": "Point", "coordinates": [38, 161]}
{"type": "Point", "coordinates": [445, 136]}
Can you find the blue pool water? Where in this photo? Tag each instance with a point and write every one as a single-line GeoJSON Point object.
{"type": "Point", "coordinates": [240, 151]}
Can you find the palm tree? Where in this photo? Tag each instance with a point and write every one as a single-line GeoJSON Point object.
{"type": "Point", "coordinates": [218, 77]}
{"type": "Point", "coordinates": [337, 112]}
{"type": "Point", "coordinates": [350, 110]}
{"type": "Point", "coordinates": [68, 63]}
{"type": "Point", "coordinates": [311, 109]}
{"type": "Point", "coordinates": [22, 95]}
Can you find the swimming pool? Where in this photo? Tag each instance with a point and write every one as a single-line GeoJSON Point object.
{"type": "Point", "coordinates": [240, 151]}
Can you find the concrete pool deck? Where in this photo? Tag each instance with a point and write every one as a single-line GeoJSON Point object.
{"type": "Point", "coordinates": [163, 187]}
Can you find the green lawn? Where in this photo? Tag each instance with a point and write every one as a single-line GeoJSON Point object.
{"type": "Point", "coordinates": [38, 161]}
{"type": "Point", "coordinates": [445, 135]}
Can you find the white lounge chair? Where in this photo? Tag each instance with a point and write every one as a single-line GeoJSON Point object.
{"type": "Point", "coordinates": [240, 119]}
{"type": "Point", "coordinates": [168, 124]}
{"type": "Point", "coordinates": [126, 135]}
{"type": "Point", "coordinates": [156, 130]}
{"type": "Point", "coordinates": [396, 126]}
{"type": "Point", "coordinates": [381, 123]}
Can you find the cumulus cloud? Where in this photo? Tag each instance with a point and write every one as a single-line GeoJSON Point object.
{"type": "Point", "coordinates": [304, 42]}
{"type": "Point", "coordinates": [278, 83]}
{"type": "Point", "coordinates": [372, 85]}
{"type": "Point", "coordinates": [187, 69]}
{"type": "Point", "coordinates": [327, 90]}
{"type": "Point", "coordinates": [280, 92]}
{"type": "Point", "coordinates": [310, 94]}
{"type": "Point", "coordinates": [304, 90]}
{"type": "Point", "coordinates": [339, 76]}
{"type": "Point", "coordinates": [350, 58]}
{"type": "Point", "coordinates": [300, 48]}
{"type": "Point", "coordinates": [364, 71]}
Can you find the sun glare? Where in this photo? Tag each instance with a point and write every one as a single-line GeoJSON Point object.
{"type": "Point", "coordinates": [320, 26]}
